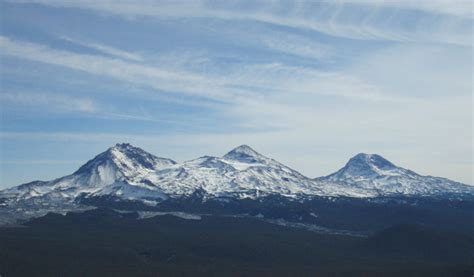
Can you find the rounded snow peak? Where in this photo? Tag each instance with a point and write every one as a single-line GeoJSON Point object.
{"type": "Point", "coordinates": [363, 162]}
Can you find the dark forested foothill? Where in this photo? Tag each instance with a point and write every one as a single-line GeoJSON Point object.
{"type": "Point", "coordinates": [105, 242]}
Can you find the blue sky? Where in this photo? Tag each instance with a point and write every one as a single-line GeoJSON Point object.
{"type": "Point", "coordinates": [308, 83]}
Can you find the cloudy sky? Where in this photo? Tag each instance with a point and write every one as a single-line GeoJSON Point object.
{"type": "Point", "coordinates": [307, 83]}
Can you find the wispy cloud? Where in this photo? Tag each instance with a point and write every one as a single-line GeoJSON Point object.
{"type": "Point", "coordinates": [107, 49]}
{"type": "Point", "coordinates": [47, 102]}
{"type": "Point", "coordinates": [229, 87]}
{"type": "Point", "coordinates": [448, 21]}
{"type": "Point", "coordinates": [60, 102]}
{"type": "Point", "coordinates": [278, 41]}
{"type": "Point", "coordinates": [460, 8]}
{"type": "Point", "coordinates": [158, 78]}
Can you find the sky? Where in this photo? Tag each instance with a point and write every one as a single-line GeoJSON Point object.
{"type": "Point", "coordinates": [307, 83]}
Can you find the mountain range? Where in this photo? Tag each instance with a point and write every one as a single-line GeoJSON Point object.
{"type": "Point", "coordinates": [125, 173]}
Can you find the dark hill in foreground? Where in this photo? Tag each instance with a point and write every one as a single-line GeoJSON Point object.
{"type": "Point", "coordinates": [107, 243]}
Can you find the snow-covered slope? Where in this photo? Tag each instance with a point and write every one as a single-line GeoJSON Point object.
{"type": "Point", "coordinates": [240, 173]}
{"type": "Point", "coordinates": [119, 171]}
{"type": "Point", "coordinates": [370, 175]}
{"type": "Point", "coordinates": [125, 172]}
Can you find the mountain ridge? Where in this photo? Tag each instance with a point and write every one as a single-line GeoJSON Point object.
{"type": "Point", "coordinates": [125, 172]}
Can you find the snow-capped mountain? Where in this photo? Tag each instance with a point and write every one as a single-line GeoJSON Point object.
{"type": "Point", "coordinates": [240, 173]}
{"type": "Point", "coordinates": [370, 175]}
{"type": "Point", "coordinates": [120, 170]}
{"type": "Point", "coordinates": [125, 172]}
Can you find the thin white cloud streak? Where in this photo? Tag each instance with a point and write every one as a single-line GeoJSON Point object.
{"type": "Point", "coordinates": [158, 78]}
{"type": "Point", "coordinates": [107, 49]}
{"type": "Point", "coordinates": [295, 45]}
{"type": "Point", "coordinates": [278, 41]}
{"type": "Point", "coordinates": [271, 80]}
{"type": "Point", "coordinates": [278, 86]}
{"type": "Point", "coordinates": [230, 88]}
{"type": "Point", "coordinates": [441, 88]}
{"type": "Point", "coordinates": [422, 71]}
{"type": "Point", "coordinates": [461, 8]}
{"type": "Point", "coordinates": [60, 102]}
{"type": "Point", "coordinates": [374, 21]}
{"type": "Point", "coordinates": [48, 103]}
{"type": "Point", "coordinates": [113, 115]}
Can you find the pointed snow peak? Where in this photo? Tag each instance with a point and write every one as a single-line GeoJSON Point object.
{"type": "Point", "coordinates": [125, 156]}
{"type": "Point", "coordinates": [244, 153]}
{"type": "Point", "coordinates": [125, 153]}
{"type": "Point", "coordinates": [244, 149]}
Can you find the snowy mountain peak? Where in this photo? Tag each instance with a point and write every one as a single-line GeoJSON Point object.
{"type": "Point", "coordinates": [125, 158]}
{"type": "Point", "coordinates": [129, 173]}
{"type": "Point", "coordinates": [369, 161]}
{"type": "Point", "coordinates": [244, 149]}
{"type": "Point", "coordinates": [124, 147]}
{"type": "Point", "coordinates": [372, 175]}
{"type": "Point", "coordinates": [369, 166]}
{"type": "Point", "coordinates": [244, 153]}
